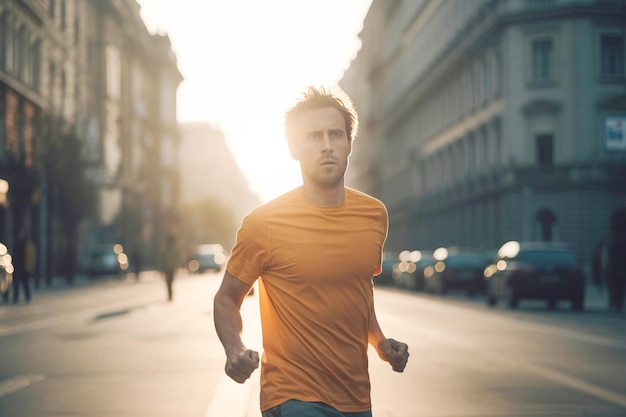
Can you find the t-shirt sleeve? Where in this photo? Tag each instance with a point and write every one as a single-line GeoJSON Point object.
{"type": "Point", "coordinates": [249, 255]}
{"type": "Point", "coordinates": [384, 225]}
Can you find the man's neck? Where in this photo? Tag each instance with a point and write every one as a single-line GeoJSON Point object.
{"type": "Point", "coordinates": [330, 196]}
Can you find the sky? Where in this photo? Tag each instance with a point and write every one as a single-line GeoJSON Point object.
{"type": "Point", "coordinates": [244, 62]}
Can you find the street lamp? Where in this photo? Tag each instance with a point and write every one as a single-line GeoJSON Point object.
{"type": "Point", "coordinates": [4, 189]}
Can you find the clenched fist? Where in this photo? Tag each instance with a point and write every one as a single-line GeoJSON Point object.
{"type": "Point", "coordinates": [241, 363]}
{"type": "Point", "coordinates": [394, 352]}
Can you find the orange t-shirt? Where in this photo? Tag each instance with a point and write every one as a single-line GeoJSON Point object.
{"type": "Point", "coordinates": [315, 266]}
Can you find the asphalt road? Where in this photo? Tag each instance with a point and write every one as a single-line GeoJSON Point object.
{"type": "Point", "coordinates": [117, 348]}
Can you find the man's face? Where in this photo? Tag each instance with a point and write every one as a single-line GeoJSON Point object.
{"type": "Point", "coordinates": [321, 145]}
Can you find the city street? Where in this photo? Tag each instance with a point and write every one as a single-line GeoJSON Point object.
{"type": "Point", "coordinates": [117, 348]}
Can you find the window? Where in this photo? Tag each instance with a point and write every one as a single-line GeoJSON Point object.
{"type": "Point", "coordinates": [475, 79]}
{"type": "Point", "coordinates": [7, 47]}
{"type": "Point", "coordinates": [76, 31]}
{"type": "Point", "coordinates": [542, 59]}
{"type": "Point", "coordinates": [36, 66]}
{"type": "Point", "coordinates": [487, 78]}
{"type": "Point", "coordinates": [545, 150]}
{"type": "Point", "coordinates": [4, 38]}
{"type": "Point", "coordinates": [21, 54]}
{"type": "Point", "coordinates": [612, 56]}
{"type": "Point", "coordinates": [471, 154]}
{"type": "Point", "coordinates": [63, 91]}
{"type": "Point", "coordinates": [63, 15]}
{"type": "Point", "coordinates": [77, 106]}
{"type": "Point", "coordinates": [51, 8]}
{"type": "Point", "coordinates": [51, 81]}
{"type": "Point", "coordinates": [498, 73]}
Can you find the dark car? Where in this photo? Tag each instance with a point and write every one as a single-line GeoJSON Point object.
{"type": "Point", "coordinates": [455, 270]}
{"type": "Point", "coordinates": [386, 275]}
{"type": "Point", "coordinates": [208, 257]}
{"type": "Point", "coordinates": [104, 260]}
{"type": "Point", "coordinates": [535, 270]}
{"type": "Point", "coordinates": [6, 270]}
{"type": "Point", "coordinates": [408, 272]}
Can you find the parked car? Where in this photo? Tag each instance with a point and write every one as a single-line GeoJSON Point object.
{"type": "Point", "coordinates": [408, 272]}
{"type": "Point", "coordinates": [455, 270]}
{"type": "Point", "coordinates": [6, 271]}
{"type": "Point", "coordinates": [208, 257]}
{"type": "Point", "coordinates": [535, 270]}
{"type": "Point", "coordinates": [104, 259]}
{"type": "Point", "coordinates": [386, 275]}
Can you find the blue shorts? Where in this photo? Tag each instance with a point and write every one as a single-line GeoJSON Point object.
{"type": "Point", "coordinates": [295, 408]}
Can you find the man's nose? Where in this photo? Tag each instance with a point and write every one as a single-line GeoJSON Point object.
{"type": "Point", "coordinates": [326, 142]}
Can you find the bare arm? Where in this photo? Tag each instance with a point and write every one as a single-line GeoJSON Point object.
{"type": "Point", "coordinates": [389, 350]}
{"type": "Point", "coordinates": [240, 362]}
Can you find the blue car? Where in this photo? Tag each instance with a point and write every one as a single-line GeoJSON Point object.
{"type": "Point", "coordinates": [208, 257]}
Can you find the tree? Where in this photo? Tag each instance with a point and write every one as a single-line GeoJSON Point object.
{"type": "Point", "coordinates": [72, 198]}
{"type": "Point", "coordinates": [207, 221]}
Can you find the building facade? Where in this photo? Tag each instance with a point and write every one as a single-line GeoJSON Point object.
{"type": "Point", "coordinates": [93, 66]}
{"type": "Point", "coordinates": [486, 121]}
{"type": "Point", "coordinates": [208, 170]}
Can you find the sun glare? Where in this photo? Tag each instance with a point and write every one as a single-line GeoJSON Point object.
{"type": "Point", "coordinates": [244, 62]}
{"type": "Point", "coordinates": [262, 154]}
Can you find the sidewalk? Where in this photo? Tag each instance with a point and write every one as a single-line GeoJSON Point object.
{"type": "Point", "coordinates": [59, 283]}
{"type": "Point", "coordinates": [60, 287]}
{"type": "Point", "coordinates": [596, 298]}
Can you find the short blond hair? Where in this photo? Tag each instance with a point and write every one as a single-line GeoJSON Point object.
{"type": "Point", "coordinates": [319, 97]}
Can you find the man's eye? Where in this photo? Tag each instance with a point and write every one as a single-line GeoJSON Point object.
{"type": "Point", "coordinates": [336, 133]}
{"type": "Point", "coordinates": [315, 135]}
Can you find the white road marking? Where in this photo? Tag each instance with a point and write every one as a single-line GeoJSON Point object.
{"type": "Point", "coordinates": [230, 398]}
{"type": "Point", "coordinates": [579, 385]}
{"type": "Point", "coordinates": [40, 324]}
{"type": "Point", "coordinates": [485, 316]}
{"type": "Point", "coordinates": [233, 399]}
{"type": "Point", "coordinates": [561, 378]}
{"type": "Point", "coordinates": [17, 383]}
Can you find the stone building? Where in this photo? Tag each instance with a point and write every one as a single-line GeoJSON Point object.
{"type": "Point", "coordinates": [93, 65]}
{"type": "Point", "coordinates": [484, 121]}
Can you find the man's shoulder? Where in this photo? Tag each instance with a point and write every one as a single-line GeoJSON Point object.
{"type": "Point", "coordinates": [272, 206]}
{"type": "Point", "coordinates": [360, 196]}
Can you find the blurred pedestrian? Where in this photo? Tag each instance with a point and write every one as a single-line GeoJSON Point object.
{"type": "Point", "coordinates": [137, 260]}
{"type": "Point", "coordinates": [30, 259]}
{"type": "Point", "coordinates": [20, 268]}
{"type": "Point", "coordinates": [169, 262]}
{"type": "Point", "coordinates": [315, 250]}
{"type": "Point", "coordinates": [616, 278]}
{"type": "Point", "coordinates": [600, 264]}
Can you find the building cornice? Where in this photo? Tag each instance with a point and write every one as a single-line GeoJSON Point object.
{"type": "Point", "coordinates": [541, 106]}
{"type": "Point", "coordinates": [36, 8]}
{"type": "Point", "coordinates": [22, 90]}
{"type": "Point", "coordinates": [614, 103]}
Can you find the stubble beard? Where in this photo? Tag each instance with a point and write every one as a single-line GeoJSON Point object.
{"type": "Point", "coordinates": [329, 180]}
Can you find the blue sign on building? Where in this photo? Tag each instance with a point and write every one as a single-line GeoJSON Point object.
{"type": "Point", "coordinates": [615, 137]}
